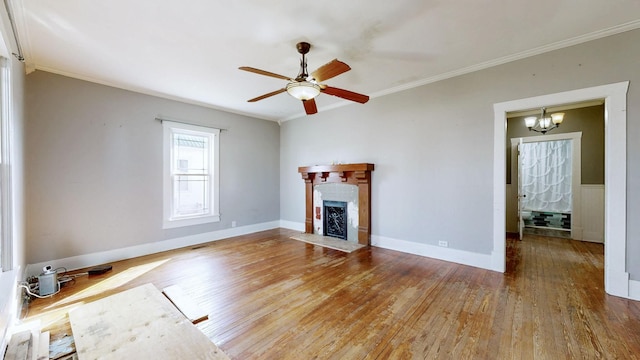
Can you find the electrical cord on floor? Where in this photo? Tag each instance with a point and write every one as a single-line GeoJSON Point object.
{"type": "Point", "coordinates": [28, 289]}
{"type": "Point", "coordinates": [60, 274]}
{"type": "Point", "coordinates": [32, 289]}
{"type": "Point", "coordinates": [78, 274]}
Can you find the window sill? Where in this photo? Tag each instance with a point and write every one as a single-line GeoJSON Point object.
{"type": "Point", "coordinates": [171, 224]}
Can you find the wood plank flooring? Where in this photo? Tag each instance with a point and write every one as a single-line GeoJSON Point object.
{"type": "Point", "coordinates": [271, 297]}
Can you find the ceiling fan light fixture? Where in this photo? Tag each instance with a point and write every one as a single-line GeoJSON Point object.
{"type": "Point", "coordinates": [303, 90]}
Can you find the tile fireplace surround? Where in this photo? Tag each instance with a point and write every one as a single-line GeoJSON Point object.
{"type": "Point", "coordinates": [355, 174]}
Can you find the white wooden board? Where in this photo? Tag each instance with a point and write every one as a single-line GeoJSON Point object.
{"type": "Point", "coordinates": [43, 346]}
{"type": "Point", "coordinates": [19, 347]}
{"type": "Point", "coordinates": [138, 324]}
{"type": "Point", "coordinates": [185, 304]}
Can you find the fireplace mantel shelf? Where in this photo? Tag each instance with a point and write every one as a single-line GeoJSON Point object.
{"type": "Point", "coordinates": [344, 171]}
{"type": "Point", "coordinates": [336, 168]}
{"type": "Point", "coordinates": [356, 174]}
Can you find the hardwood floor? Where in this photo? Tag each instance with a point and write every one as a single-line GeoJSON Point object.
{"type": "Point", "coordinates": [270, 297]}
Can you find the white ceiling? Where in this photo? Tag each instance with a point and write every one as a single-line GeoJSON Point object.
{"type": "Point", "coordinates": [190, 50]}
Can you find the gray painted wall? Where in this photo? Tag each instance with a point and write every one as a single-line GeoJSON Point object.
{"type": "Point", "coordinates": [94, 167]}
{"type": "Point", "coordinates": [433, 145]}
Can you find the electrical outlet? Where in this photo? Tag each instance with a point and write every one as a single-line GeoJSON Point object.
{"type": "Point", "coordinates": [443, 243]}
{"type": "Point", "coordinates": [233, 224]}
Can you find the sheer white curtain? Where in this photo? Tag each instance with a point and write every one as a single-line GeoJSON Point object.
{"type": "Point", "coordinates": [546, 176]}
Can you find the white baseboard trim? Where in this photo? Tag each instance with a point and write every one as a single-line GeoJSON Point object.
{"type": "Point", "coordinates": [483, 261]}
{"type": "Point", "coordinates": [103, 257]}
{"type": "Point", "coordinates": [634, 290]}
{"type": "Point", "coordinates": [292, 225]}
{"type": "Point", "coordinates": [616, 282]}
{"type": "Point", "coordinates": [457, 256]}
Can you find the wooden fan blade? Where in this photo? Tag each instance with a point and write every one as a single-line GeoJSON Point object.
{"type": "Point", "coordinates": [310, 106]}
{"type": "Point", "coordinates": [267, 95]}
{"type": "Point", "coordinates": [346, 94]}
{"type": "Point", "coordinates": [263, 72]}
{"type": "Point", "coordinates": [331, 69]}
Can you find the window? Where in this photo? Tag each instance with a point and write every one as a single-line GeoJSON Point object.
{"type": "Point", "coordinates": [190, 175]}
{"type": "Point", "coordinates": [6, 233]}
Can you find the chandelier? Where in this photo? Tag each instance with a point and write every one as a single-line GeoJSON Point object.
{"type": "Point", "coordinates": [545, 123]}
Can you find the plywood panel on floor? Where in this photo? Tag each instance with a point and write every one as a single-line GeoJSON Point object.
{"type": "Point", "coordinates": [139, 323]}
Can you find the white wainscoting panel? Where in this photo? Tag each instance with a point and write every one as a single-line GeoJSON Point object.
{"type": "Point", "coordinates": [512, 208]}
{"type": "Point", "coordinates": [593, 213]}
{"type": "Point", "coordinates": [592, 206]}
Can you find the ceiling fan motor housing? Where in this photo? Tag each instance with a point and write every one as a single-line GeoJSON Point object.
{"type": "Point", "coordinates": [303, 47]}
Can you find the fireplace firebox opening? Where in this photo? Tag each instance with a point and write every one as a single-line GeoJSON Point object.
{"type": "Point", "coordinates": [335, 219]}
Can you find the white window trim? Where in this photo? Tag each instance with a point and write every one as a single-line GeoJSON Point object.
{"type": "Point", "coordinates": [214, 216]}
{"type": "Point", "coordinates": [6, 221]}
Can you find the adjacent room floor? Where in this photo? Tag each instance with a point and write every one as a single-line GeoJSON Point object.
{"type": "Point", "coordinates": [271, 297]}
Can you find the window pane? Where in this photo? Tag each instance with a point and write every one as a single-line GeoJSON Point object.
{"type": "Point", "coordinates": [191, 154]}
{"type": "Point", "coordinates": [190, 195]}
{"type": "Point", "coordinates": [183, 165]}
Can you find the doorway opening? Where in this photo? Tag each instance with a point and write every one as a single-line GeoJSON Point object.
{"type": "Point", "coordinates": [559, 200]}
{"type": "Point", "coordinates": [615, 98]}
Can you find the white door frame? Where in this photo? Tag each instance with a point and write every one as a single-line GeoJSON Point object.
{"type": "Point", "coordinates": [616, 279]}
{"type": "Point", "coordinates": [576, 172]}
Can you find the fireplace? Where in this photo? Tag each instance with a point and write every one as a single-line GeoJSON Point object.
{"type": "Point", "coordinates": [343, 205]}
{"type": "Point", "coordinates": [335, 219]}
{"type": "Point", "coordinates": [348, 183]}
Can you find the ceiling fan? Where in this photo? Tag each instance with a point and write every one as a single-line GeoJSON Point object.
{"type": "Point", "coordinates": [306, 86]}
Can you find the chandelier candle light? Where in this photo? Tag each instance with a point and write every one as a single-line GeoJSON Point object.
{"type": "Point", "coordinates": [545, 123]}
